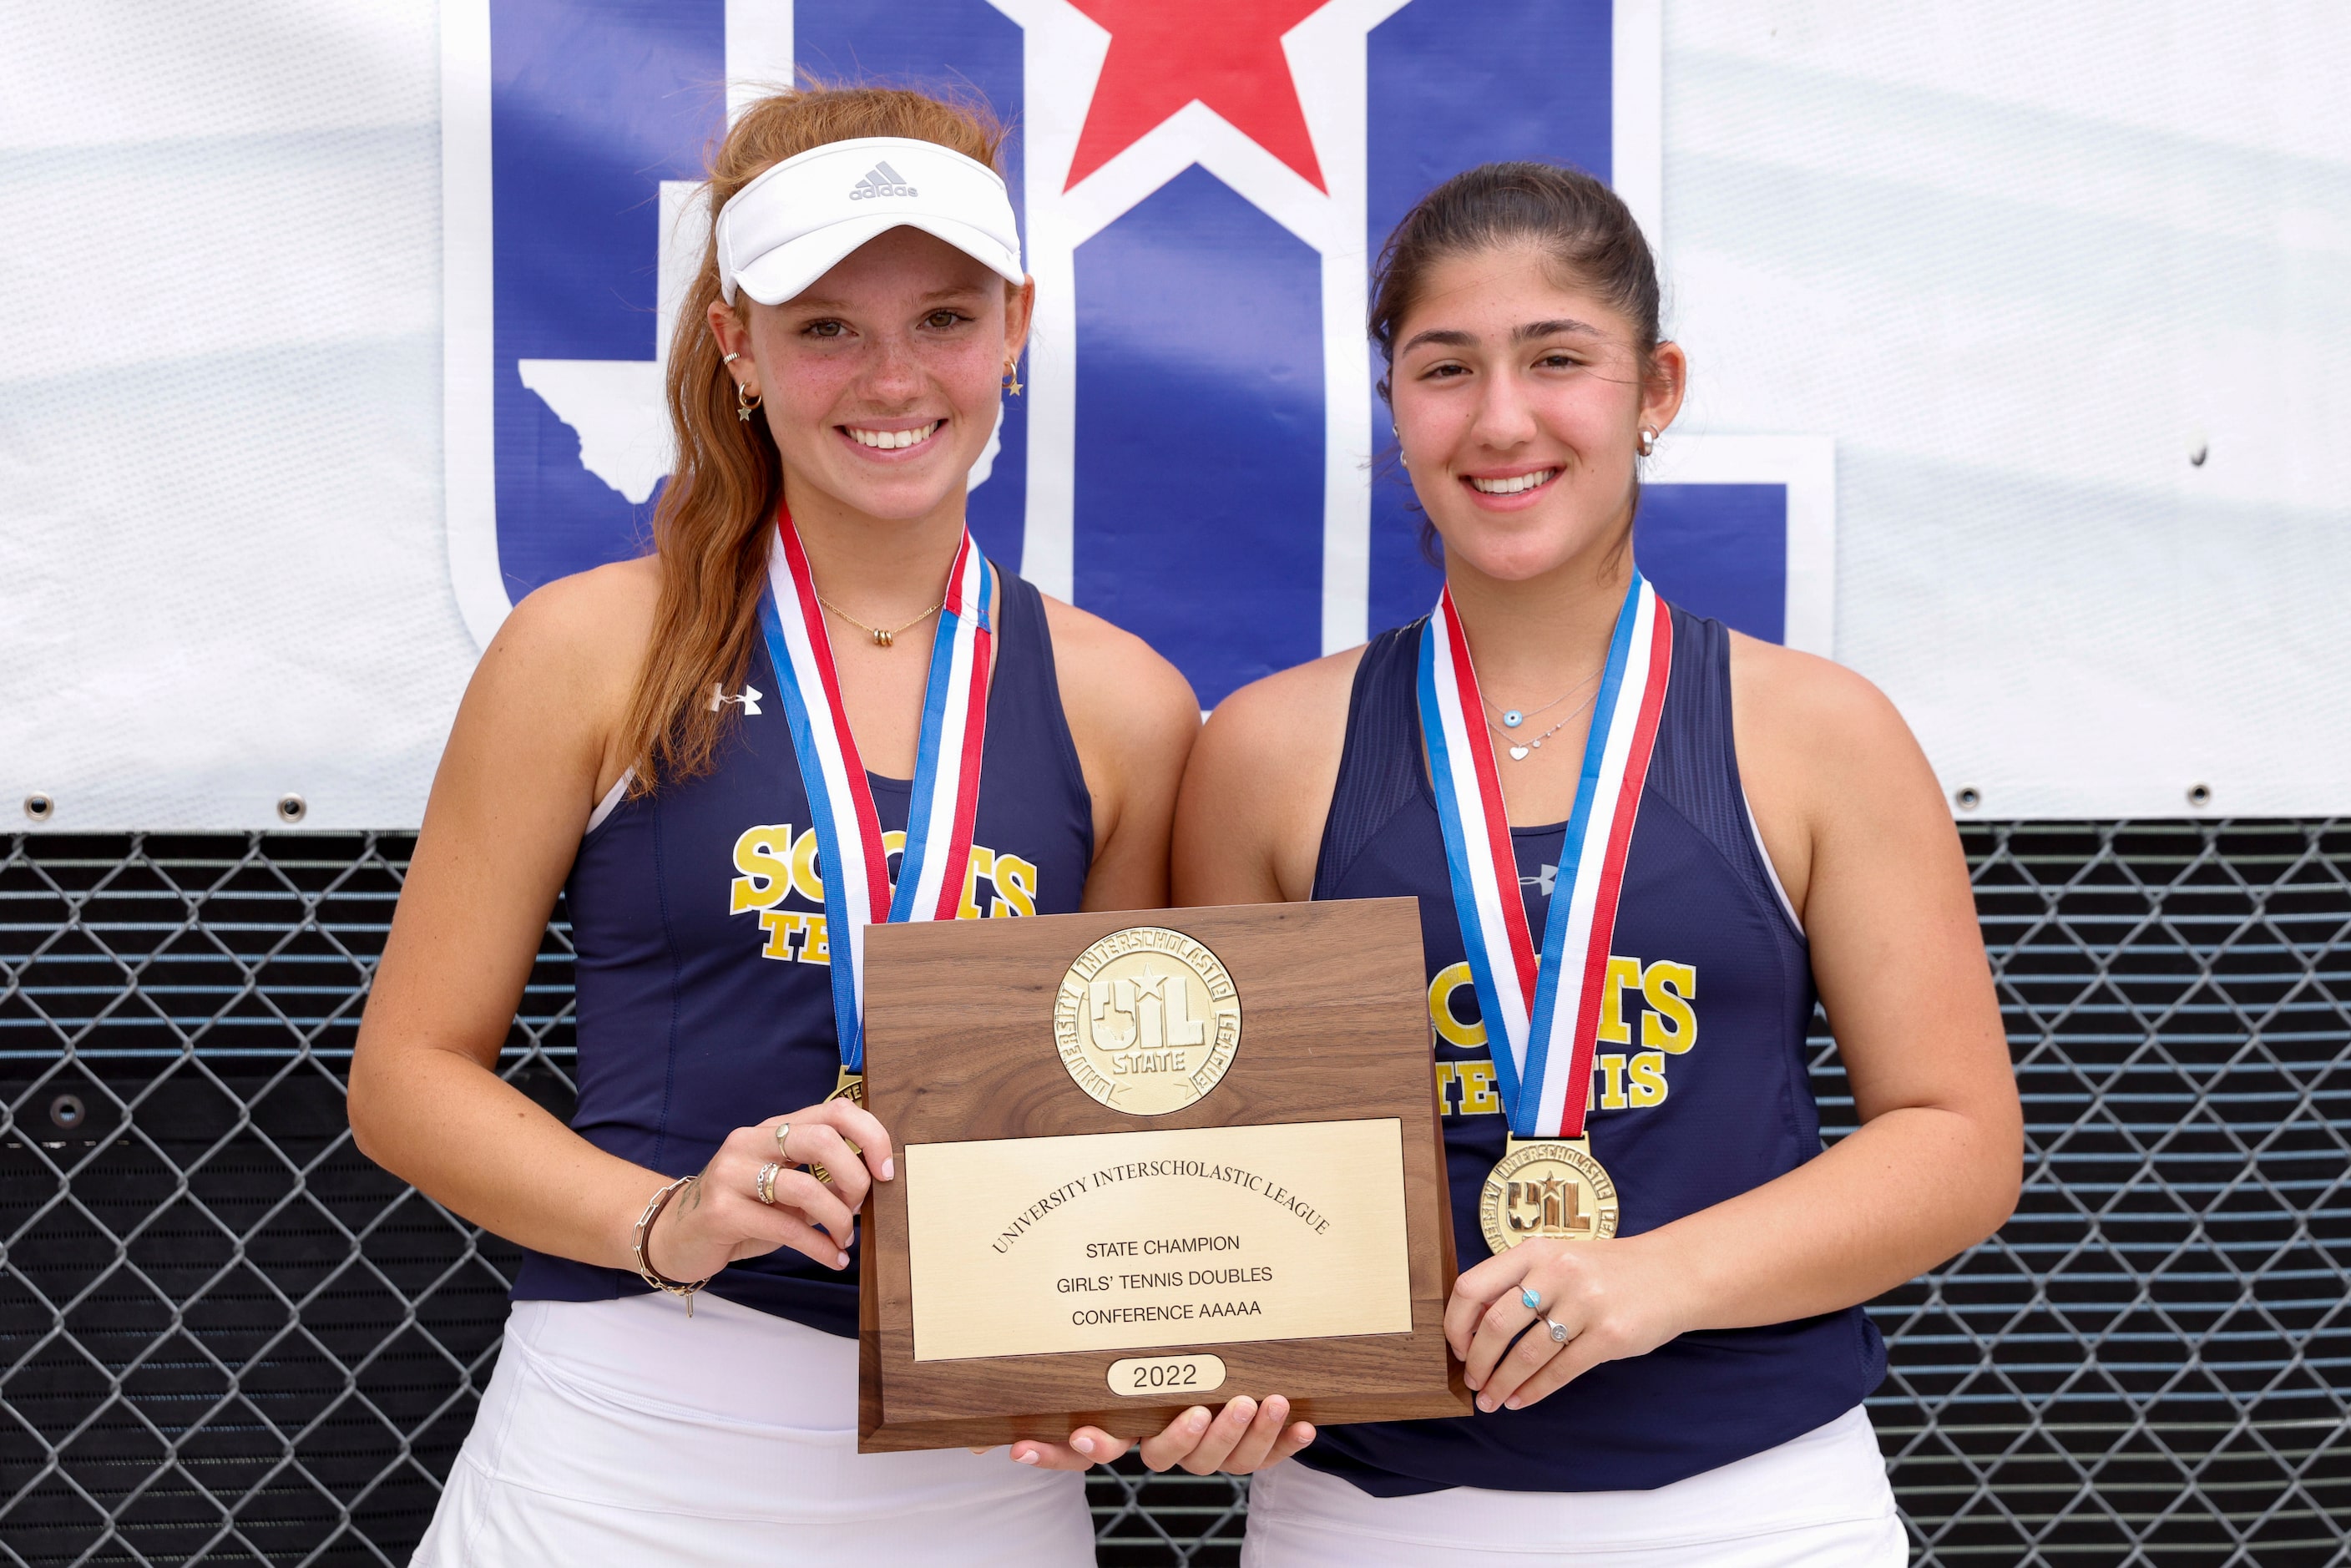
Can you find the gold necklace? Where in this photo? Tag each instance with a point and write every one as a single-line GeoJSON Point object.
{"type": "Point", "coordinates": [882, 635]}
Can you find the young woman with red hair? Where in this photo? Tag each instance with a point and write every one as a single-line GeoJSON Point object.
{"type": "Point", "coordinates": [815, 705]}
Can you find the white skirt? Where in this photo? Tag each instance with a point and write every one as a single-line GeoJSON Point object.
{"type": "Point", "coordinates": [1821, 1501]}
{"type": "Point", "coordinates": [622, 1432]}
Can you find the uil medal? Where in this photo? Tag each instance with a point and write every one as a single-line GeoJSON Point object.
{"type": "Point", "coordinates": [1543, 1006]}
{"type": "Point", "coordinates": [849, 1086]}
{"type": "Point", "coordinates": [1146, 1020]}
{"type": "Point", "coordinates": [1547, 1188]}
{"type": "Point", "coordinates": [858, 889]}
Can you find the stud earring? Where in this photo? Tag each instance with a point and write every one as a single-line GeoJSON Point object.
{"type": "Point", "coordinates": [745, 400]}
{"type": "Point", "coordinates": [1648, 443]}
{"type": "Point", "coordinates": [1012, 377]}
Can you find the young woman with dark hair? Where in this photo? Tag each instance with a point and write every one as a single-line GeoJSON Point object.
{"type": "Point", "coordinates": [1642, 845]}
{"type": "Point", "coordinates": [726, 753]}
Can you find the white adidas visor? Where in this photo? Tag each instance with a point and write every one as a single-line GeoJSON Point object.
{"type": "Point", "coordinates": [793, 224]}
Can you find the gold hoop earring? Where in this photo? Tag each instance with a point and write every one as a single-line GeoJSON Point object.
{"type": "Point", "coordinates": [1012, 377]}
{"type": "Point", "coordinates": [745, 400]}
{"type": "Point", "coordinates": [1649, 442]}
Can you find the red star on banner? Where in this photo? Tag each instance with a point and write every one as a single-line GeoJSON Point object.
{"type": "Point", "coordinates": [1226, 54]}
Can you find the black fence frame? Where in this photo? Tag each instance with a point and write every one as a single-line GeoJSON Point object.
{"type": "Point", "coordinates": [226, 1337]}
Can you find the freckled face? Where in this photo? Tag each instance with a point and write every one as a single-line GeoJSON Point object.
{"type": "Point", "coordinates": [1519, 404]}
{"type": "Point", "coordinates": [882, 381]}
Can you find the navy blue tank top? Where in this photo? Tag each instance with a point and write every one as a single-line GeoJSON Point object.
{"type": "Point", "coordinates": [697, 912]}
{"type": "Point", "coordinates": [1698, 1093]}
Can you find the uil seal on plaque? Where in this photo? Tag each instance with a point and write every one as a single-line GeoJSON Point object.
{"type": "Point", "coordinates": [1147, 1021]}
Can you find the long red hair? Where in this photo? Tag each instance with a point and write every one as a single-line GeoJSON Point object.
{"type": "Point", "coordinates": [710, 527]}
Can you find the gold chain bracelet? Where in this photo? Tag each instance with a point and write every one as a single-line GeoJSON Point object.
{"type": "Point", "coordinates": [645, 1270]}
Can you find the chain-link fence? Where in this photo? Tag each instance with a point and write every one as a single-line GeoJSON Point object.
{"type": "Point", "coordinates": [226, 1337]}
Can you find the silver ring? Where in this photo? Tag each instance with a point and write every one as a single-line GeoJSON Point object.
{"type": "Point", "coordinates": [783, 1131]}
{"type": "Point", "coordinates": [764, 1189]}
{"type": "Point", "coordinates": [1558, 1331]}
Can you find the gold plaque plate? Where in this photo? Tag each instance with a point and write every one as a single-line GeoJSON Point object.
{"type": "Point", "coordinates": [1127, 1240]}
{"type": "Point", "coordinates": [1166, 1376]}
{"type": "Point", "coordinates": [1146, 1020]}
{"type": "Point", "coordinates": [1547, 1188]}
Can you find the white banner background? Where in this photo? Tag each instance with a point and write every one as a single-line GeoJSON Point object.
{"type": "Point", "coordinates": [2021, 262]}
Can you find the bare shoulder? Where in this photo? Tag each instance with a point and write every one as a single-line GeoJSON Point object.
{"type": "Point", "coordinates": [1824, 755]}
{"type": "Point", "coordinates": [586, 624]}
{"type": "Point", "coordinates": [1250, 822]}
{"type": "Point", "coordinates": [560, 673]}
{"type": "Point", "coordinates": [1114, 685]}
{"type": "Point", "coordinates": [1287, 728]}
{"type": "Point", "coordinates": [1802, 699]}
{"type": "Point", "coordinates": [1132, 717]}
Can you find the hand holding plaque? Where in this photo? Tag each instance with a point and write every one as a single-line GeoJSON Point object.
{"type": "Point", "coordinates": [1148, 1162]}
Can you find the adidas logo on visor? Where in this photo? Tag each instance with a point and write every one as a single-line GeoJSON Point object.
{"type": "Point", "coordinates": [880, 180]}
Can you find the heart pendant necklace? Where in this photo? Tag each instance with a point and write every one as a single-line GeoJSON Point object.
{"type": "Point", "coordinates": [1521, 750]}
{"type": "Point", "coordinates": [1513, 717]}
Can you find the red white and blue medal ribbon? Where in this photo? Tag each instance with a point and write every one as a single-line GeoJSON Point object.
{"type": "Point", "coordinates": [855, 864]}
{"type": "Point", "coordinates": [1542, 1014]}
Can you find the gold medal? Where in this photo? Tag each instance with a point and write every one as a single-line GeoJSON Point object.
{"type": "Point", "coordinates": [1549, 1188]}
{"type": "Point", "coordinates": [849, 1086]}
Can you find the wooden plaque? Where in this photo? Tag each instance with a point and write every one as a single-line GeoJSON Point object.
{"type": "Point", "coordinates": [1149, 1160]}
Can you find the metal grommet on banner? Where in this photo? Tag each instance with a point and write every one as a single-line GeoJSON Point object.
{"type": "Point", "coordinates": [67, 1111]}
{"type": "Point", "coordinates": [1969, 797]}
{"type": "Point", "coordinates": [2200, 794]}
{"type": "Point", "coordinates": [40, 807]}
{"type": "Point", "coordinates": [292, 808]}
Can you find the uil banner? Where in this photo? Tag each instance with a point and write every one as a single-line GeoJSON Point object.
{"type": "Point", "coordinates": [1201, 190]}
{"type": "Point", "coordinates": [2019, 349]}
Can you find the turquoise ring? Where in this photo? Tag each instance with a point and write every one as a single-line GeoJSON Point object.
{"type": "Point", "coordinates": [1532, 1302]}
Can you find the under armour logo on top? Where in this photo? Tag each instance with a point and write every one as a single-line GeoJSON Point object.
{"type": "Point", "coordinates": [1550, 875]}
{"type": "Point", "coordinates": [749, 698]}
{"type": "Point", "coordinates": [880, 180]}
